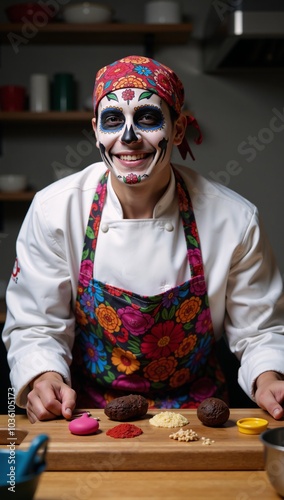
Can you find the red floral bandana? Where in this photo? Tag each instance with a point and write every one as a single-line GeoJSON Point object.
{"type": "Point", "coordinates": [145, 73]}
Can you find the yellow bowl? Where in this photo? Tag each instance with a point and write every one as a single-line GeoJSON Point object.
{"type": "Point", "coordinates": [252, 425]}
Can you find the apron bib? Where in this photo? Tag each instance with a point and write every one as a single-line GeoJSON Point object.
{"type": "Point", "coordinates": [159, 346]}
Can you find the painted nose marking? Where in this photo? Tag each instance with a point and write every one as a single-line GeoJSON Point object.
{"type": "Point", "coordinates": [129, 135]}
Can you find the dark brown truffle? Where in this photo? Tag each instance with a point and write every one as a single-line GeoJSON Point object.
{"type": "Point", "coordinates": [127, 408]}
{"type": "Point", "coordinates": [213, 412]}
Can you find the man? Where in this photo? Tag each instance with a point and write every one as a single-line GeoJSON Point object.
{"type": "Point", "coordinates": [133, 268]}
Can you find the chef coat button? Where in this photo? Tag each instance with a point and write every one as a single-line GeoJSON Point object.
{"type": "Point", "coordinates": [169, 227]}
{"type": "Point", "coordinates": [104, 228]}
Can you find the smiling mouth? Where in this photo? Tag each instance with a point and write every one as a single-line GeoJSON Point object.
{"type": "Point", "coordinates": [132, 157]}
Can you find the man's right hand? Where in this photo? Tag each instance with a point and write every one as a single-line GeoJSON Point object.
{"type": "Point", "coordinates": [49, 398]}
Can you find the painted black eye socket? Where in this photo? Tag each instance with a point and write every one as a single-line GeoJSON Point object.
{"type": "Point", "coordinates": [112, 119]}
{"type": "Point", "coordinates": [145, 118]}
{"type": "Point", "coordinates": [149, 118]}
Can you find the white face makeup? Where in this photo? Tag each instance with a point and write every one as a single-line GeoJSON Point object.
{"type": "Point", "coordinates": [134, 133]}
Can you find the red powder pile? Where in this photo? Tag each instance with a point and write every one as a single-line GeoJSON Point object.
{"type": "Point", "coordinates": [124, 431]}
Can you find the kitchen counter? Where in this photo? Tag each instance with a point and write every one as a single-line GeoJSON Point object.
{"type": "Point", "coordinates": [140, 485]}
{"type": "Point", "coordinates": [151, 465]}
{"type": "Point", "coordinates": [152, 450]}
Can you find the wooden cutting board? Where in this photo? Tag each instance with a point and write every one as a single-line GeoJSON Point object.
{"type": "Point", "coordinates": [152, 450]}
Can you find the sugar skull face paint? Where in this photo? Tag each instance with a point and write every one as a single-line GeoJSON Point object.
{"type": "Point", "coordinates": [134, 133]}
{"type": "Point", "coordinates": [139, 72]}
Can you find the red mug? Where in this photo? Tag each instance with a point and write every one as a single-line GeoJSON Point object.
{"type": "Point", "coordinates": [12, 98]}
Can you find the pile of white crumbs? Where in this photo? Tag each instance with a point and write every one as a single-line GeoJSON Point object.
{"type": "Point", "coordinates": [168, 419]}
{"type": "Point", "coordinates": [190, 435]}
{"type": "Point", "coordinates": [187, 435]}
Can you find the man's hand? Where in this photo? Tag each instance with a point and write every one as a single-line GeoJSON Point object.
{"type": "Point", "coordinates": [269, 393]}
{"type": "Point", "coordinates": [49, 398]}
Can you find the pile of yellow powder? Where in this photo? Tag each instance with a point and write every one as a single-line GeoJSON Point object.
{"type": "Point", "coordinates": [168, 419]}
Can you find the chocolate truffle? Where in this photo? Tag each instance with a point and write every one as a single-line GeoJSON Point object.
{"type": "Point", "coordinates": [213, 412]}
{"type": "Point", "coordinates": [127, 408]}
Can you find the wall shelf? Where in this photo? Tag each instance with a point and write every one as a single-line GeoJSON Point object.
{"type": "Point", "coordinates": [17, 196]}
{"type": "Point", "coordinates": [118, 33]}
{"type": "Point", "coordinates": [48, 116]}
{"type": "Point", "coordinates": [103, 34]}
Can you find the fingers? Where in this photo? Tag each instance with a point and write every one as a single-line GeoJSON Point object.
{"type": "Point", "coordinates": [268, 402]}
{"type": "Point", "coordinates": [270, 397]}
{"type": "Point", "coordinates": [68, 402]}
{"type": "Point", "coordinates": [50, 398]}
{"type": "Point", "coordinates": [277, 412]}
{"type": "Point", "coordinates": [43, 403]}
{"type": "Point", "coordinates": [38, 412]}
{"type": "Point", "coordinates": [31, 416]}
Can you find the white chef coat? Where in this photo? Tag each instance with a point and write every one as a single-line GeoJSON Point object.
{"type": "Point", "coordinates": [145, 256]}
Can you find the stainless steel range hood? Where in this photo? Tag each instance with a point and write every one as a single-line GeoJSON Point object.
{"type": "Point", "coordinates": [244, 39]}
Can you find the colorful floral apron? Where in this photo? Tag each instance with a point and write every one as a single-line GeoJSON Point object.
{"type": "Point", "coordinates": [161, 346]}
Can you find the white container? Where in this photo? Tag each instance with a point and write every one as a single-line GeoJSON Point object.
{"type": "Point", "coordinates": [86, 12]}
{"type": "Point", "coordinates": [163, 12]}
{"type": "Point", "coordinates": [39, 93]}
{"type": "Point", "coordinates": [12, 182]}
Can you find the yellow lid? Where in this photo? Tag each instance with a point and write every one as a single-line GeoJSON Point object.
{"type": "Point", "coordinates": [252, 425]}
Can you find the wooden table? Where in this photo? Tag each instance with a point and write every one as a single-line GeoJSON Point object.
{"type": "Point", "coordinates": [141, 485]}
{"type": "Point", "coordinates": [151, 465]}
